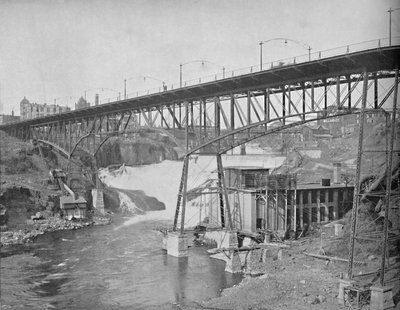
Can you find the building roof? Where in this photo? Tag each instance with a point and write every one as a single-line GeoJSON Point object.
{"type": "Point", "coordinates": [25, 101]}
{"type": "Point", "coordinates": [319, 186]}
{"type": "Point", "coordinates": [244, 168]}
{"type": "Point", "coordinates": [70, 202]}
{"type": "Point", "coordinates": [300, 187]}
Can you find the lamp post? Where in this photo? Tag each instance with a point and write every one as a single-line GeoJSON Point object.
{"type": "Point", "coordinates": [144, 77]}
{"type": "Point", "coordinates": [307, 47]}
{"type": "Point", "coordinates": [124, 89]}
{"type": "Point", "coordinates": [153, 78]}
{"type": "Point", "coordinates": [202, 63]}
{"type": "Point", "coordinates": [390, 24]}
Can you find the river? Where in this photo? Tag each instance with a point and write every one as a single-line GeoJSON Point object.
{"type": "Point", "coordinates": [121, 265]}
{"type": "Point", "coordinates": [109, 267]}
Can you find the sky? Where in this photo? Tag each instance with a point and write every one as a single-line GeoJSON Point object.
{"type": "Point", "coordinates": [56, 50]}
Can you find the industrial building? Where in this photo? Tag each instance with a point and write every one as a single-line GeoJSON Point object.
{"type": "Point", "coordinates": [261, 201]}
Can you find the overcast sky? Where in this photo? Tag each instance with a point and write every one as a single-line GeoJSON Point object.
{"type": "Point", "coordinates": [59, 49]}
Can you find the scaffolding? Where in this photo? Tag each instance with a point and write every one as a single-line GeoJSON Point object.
{"type": "Point", "coordinates": [381, 193]}
{"type": "Point", "coordinates": [276, 202]}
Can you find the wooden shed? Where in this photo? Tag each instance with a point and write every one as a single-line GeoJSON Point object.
{"type": "Point", "coordinates": [73, 208]}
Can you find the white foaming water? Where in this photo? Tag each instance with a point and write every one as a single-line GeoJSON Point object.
{"type": "Point", "coordinates": [162, 181]}
{"type": "Point", "coordinates": [127, 204]}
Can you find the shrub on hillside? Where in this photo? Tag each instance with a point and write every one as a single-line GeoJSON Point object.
{"type": "Point", "coordinates": [19, 163]}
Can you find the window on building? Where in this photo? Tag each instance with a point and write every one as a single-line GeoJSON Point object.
{"type": "Point", "coordinates": [340, 196]}
{"type": "Point", "coordinates": [322, 212]}
{"type": "Point", "coordinates": [331, 214]}
{"type": "Point", "coordinates": [330, 196]}
{"type": "Point", "coordinates": [322, 196]}
{"type": "Point", "coordinates": [314, 215]}
{"type": "Point", "coordinates": [305, 197]}
{"type": "Point", "coordinates": [313, 196]}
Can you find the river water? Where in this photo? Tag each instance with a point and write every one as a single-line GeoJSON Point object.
{"type": "Point", "coordinates": [122, 265]}
{"type": "Point", "coordinates": [107, 267]}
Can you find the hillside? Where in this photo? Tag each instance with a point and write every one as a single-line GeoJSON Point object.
{"type": "Point", "coordinates": [147, 146]}
{"type": "Point", "coordinates": [340, 150]}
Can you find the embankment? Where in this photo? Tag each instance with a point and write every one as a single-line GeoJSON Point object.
{"type": "Point", "coordinates": [29, 212]}
{"type": "Point", "coordinates": [146, 146]}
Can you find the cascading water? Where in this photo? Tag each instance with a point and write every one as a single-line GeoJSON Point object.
{"type": "Point", "coordinates": [162, 182]}
{"type": "Point", "coordinates": [120, 265]}
{"type": "Point", "coordinates": [127, 205]}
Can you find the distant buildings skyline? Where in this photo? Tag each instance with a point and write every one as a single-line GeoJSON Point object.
{"type": "Point", "coordinates": [30, 110]}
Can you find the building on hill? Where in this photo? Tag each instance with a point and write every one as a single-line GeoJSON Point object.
{"type": "Point", "coordinates": [34, 110]}
{"type": "Point", "coordinates": [7, 119]}
{"type": "Point", "coordinates": [316, 133]}
{"type": "Point", "coordinates": [375, 118]}
{"type": "Point", "coordinates": [81, 104]}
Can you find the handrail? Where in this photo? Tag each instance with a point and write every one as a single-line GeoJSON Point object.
{"type": "Point", "coordinates": [304, 58]}
{"type": "Point", "coordinates": [341, 50]}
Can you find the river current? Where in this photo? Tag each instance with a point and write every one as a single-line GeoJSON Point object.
{"type": "Point", "coordinates": [107, 267]}
{"type": "Point", "coordinates": [121, 265]}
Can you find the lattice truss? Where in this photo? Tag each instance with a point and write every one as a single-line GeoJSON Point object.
{"type": "Point", "coordinates": [220, 123]}
{"type": "Point", "coordinates": [375, 232]}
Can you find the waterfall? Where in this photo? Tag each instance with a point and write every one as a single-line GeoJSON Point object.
{"type": "Point", "coordinates": [127, 205]}
{"type": "Point", "coordinates": [161, 180]}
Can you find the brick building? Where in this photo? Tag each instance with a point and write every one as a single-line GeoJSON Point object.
{"type": "Point", "coordinates": [81, 104]}
{"type": "Point", "coordinates": [34, 110]}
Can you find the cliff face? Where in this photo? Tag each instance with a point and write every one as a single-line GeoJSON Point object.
{"type": "Point", "coordinates": [130, 202]}
{"type": "Point", "coordinates": [144, 147]}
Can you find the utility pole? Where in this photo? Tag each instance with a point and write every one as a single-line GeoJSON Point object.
{"type": "Point", "coordinates": [125, 89]}
{"type": "Point", "coordinates": [390, 24]}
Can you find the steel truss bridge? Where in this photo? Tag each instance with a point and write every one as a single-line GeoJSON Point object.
{"type": "Point", "coordinates": [219, 115]}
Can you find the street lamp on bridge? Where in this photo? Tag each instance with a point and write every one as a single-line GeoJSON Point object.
{"type": "Point", "coordinates": [307, 47]}
{"type": "Point", "coordinates": [390, 24]}
{"type": "Point", "coordinates": [202, 63]}
{"type": "Point", "coordinates": [144, 77]}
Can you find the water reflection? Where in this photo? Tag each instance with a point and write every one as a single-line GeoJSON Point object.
{"type": "Point", "coordinates": [104, 268]}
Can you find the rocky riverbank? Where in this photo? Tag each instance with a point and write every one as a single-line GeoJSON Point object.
{"type": "Point", "coordinates": [50, 224]}
{"type": "Point", "coordinates": [289, 280]}
{"type": "Point", "coordinates": [28, 212]}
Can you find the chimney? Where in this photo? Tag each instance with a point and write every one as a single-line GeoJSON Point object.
{"type": "Point", "coordinates": [96, 99]}
{"type": "Point", "coordinates": [337, 172]}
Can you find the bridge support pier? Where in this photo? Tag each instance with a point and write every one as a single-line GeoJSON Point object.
{"type": "Point", "coordinates": [343, 285]}
{"type": "Point", "coordinates": [176, 244]}
{"type": "Point", "coordinates": [233, 264]}
{"type": "Point", "coordinates": [229, 239]}
{"type": "Point", "coordinates": [381, 297]}
{"type": "Point", "coordinates": [98, 200]}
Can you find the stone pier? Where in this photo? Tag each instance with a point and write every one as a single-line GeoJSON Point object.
{"type": "Point", "coordinates": [98, 200]}
{"type": "Point", "coordinates": [343, 284]}
{"type": "Point", "coordinates": [233, 264]}
{"type": "Point", "coordinates": [381, 298]}
{"type": "Point", "coordinates": [176, 244]}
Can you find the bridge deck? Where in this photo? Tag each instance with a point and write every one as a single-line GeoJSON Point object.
{"type": "Point", "coordinates": [373, 60]}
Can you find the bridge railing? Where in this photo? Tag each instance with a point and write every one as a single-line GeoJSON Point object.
{"type": "Point", "coordinates": [316, 55]}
